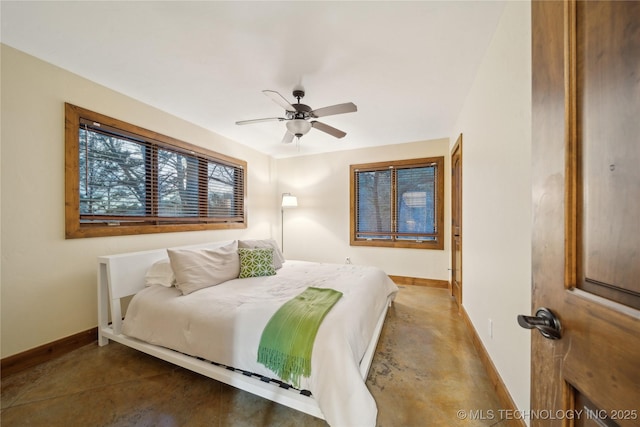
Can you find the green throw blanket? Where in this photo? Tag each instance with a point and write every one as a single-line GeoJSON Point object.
{"type": "Point", "coordinates": [287, 340]}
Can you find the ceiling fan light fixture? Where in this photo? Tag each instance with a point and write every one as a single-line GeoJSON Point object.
{"type": "Point", "coordinates": [297, 116]}
{"type": "Point", "coordinates": [298, 127]}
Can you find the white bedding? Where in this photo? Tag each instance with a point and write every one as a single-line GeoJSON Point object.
{"type": "Point", "coordinates": [224, 323]}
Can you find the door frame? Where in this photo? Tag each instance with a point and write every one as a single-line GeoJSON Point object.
{"type": "Point", "coordinates": [456, 207]}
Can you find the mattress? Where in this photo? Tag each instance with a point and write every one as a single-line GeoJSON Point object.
{"type": "Point", "coordinates": [224, 324]}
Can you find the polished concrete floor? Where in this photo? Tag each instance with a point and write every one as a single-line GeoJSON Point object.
{"type": "Point", "coordinates": [425, 370]}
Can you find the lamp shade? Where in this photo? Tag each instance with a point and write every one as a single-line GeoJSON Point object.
{"type": "Point", "coordinates": [298, 127]}
{"type": "Point", "coordinates": [289, 201]}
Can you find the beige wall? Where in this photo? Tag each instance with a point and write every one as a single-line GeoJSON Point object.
{"type": "Point", "coordinates": [319, 228]}
{"type": "Point", "coordinates": [49, 283]}
{"type": "Point", "coordinates": [496, 126]}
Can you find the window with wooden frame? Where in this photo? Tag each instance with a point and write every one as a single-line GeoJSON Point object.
{"type": "Point", "coordinates": [122, 179]}
{"type": "Point", "coordinates": [398, 204]}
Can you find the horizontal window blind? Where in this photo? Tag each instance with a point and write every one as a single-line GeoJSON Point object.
{"type": "Point", "coordinates": [374, 204]}
{"type": "Point", "coordinates": [416, 203]}
{"type": "Point", "coordinates": [225, 189]}
{"type": "Point", "coordinates": [397, 202]}
{"type": "Point", "coordinates": [126, 178]}
{"type": "Point", "coordinates": [113, 175]}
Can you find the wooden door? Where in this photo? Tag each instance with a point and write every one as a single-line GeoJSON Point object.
{"type": "Point", "coordinates": [586, 221]}
{"type": "Point", "coordinates": [456, 221]}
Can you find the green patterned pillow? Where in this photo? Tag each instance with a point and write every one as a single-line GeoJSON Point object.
{"type": "Point", "coordinates": [256, 262]}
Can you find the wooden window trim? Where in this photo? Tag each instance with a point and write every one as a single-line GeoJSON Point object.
{"type": "Point", "coordinates": [438, 244]}
{"type": "Point", "coordinates": [73, 226]}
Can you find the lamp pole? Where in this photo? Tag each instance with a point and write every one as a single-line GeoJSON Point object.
{"type": "Point", "coordinates": [282, 227]}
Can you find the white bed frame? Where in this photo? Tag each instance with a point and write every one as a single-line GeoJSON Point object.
{"type": "Point", "coordinates": [121, 276]}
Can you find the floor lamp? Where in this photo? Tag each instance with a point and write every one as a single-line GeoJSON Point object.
{"type": "Point", "coordinates": [288, 201]}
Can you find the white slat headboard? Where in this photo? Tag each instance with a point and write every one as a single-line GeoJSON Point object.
{"type": "Point", "coordinates": [122, 275]}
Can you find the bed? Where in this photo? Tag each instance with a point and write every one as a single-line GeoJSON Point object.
{"type": "Point", "coordinates": [215, 330]}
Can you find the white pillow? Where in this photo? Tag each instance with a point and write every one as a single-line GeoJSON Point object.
{"type": "Point", "coordinates": [278, 258]}
{"type": "Point", "coordinates": [200, 268]}
{"type": "Point", "coordinates": [160, 273]}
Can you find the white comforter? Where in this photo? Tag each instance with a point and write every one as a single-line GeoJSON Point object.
{"type": "Point", "coordinates": [224, 323]}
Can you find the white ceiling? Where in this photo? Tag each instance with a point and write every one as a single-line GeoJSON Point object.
{"type": "Point", "coordinates": [407, 65]}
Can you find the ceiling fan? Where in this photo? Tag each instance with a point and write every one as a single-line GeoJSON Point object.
{"type": "Point", "coordinates": [299, 117]}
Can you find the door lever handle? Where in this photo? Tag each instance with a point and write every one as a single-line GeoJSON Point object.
{"type": "Point", "coordinates": [544, 321]}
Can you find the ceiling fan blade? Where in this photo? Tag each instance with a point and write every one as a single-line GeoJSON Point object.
{"type": "Point", "coordinates": [328, 129]}
{"type": "Point", "coordinates": [348, 107]}
{"type": "Point", "coordinates": [268, 119]}
{"type": "Point", "coordinates": [287, 138]}
{"type": "Point", "coordinates": [280, 100]}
